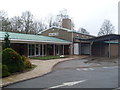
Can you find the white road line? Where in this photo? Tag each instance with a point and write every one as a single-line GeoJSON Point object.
{"type": "Point", "coordinates": [85, 69]}
{"type": "Point", "coordinates": [91, 68]}
{"type": "Point", "coordinates": [67, 84]}
{"type": "Point", "coordinates": [111, 67]}
{"type": "Point", "coordinates": [78, 69]}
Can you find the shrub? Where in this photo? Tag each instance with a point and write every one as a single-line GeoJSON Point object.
{"type": "Point", "coordinates": [13, 60]}
{"type": "Point", "coordinates": [0, 69]}
{"type": "Point", "coordinates": [5, 71]}
{"type": "Point", "coordinates": [26, 61]}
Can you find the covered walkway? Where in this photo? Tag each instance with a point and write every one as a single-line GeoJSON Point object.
{"type": "Point", "coordinates": [107, 45]}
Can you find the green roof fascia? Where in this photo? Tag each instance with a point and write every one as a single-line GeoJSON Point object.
{"type": "Point", "coordinates": [31, 37]}
{"type": "Point", "coordinates": [111, 42]}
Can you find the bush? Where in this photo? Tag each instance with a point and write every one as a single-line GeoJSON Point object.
{"type": "Point", "coordinates": [0, 69]}
{"type": "Point", "coordinates": [5, 71]}
{"type": "Point", "coordinates": [12, 60]}
{"type": "Point", "coordinates": [26, 61]}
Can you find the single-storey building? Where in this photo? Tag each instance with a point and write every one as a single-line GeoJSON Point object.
{"type": "Point", "coordinates": [37, 45]}
{"type": "Point", "coordinates": [64, 41]}
{"type": "Point", "coordinates": [69, 35]}
{"type": "Point", "coordinates": [84, 44]}
{"type": "Point", "coordinates": [107, 45]}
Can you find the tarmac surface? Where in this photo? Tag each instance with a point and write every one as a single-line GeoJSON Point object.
{"type": "Point", "coordinates": [96, 77]}
{"type": "Point", "coordinates": [46, 66]}
{"type": "Point", "coordinates": [43, 67]}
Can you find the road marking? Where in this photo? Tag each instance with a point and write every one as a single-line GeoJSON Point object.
{"type": "Point", "coordinates": [111, 67]}
{"type": "Point", "coordinates": [68, 84]}
{"type": "Point", "coordinates": [85, 69]}
{"type": "Point", "coordinates": [91, 68]}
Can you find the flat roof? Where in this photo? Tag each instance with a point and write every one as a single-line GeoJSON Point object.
{"type": "Point", "coordinates": [33, 38]}
{"type": "Point", "coordinates": [102, 38]}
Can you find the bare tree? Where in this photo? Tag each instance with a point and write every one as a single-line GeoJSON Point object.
{"type": "Point", "coordinates": [5, 24]}
{"type": "Point", "coordinates": [3, 13]}
{"type": "Point", "coordinates": [50, 20]}
{"type": "Point", "coordinates": [63, 14]}
{"type": "Point", "coordinates": [107, 28]}
{"type": "Point", "coordinates": [27, 21]}
{"type": "Point", "coordinates": [38, 26]}
{"type": "Point", "coordinates": [16, 24]}
{"type": "Point", "coordinates": [57, 19]}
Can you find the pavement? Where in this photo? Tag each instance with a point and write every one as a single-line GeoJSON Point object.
{"type": "Point", "coordinates": [43, 67]}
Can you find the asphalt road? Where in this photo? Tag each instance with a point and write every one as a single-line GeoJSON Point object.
{"type": "Point", "coordinates": [97, 77]}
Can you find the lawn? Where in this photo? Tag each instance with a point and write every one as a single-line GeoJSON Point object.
{"type": "Point", "coordinates": [47, 57]}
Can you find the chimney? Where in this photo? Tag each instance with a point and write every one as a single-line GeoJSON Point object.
{"type": "Point", "coordinates": [66, 23]}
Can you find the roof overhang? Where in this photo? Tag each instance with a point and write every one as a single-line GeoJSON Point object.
{"type": "Point", "coordinates": [102, 38]}
{"type": "Point", "coordinates": [35, 41]}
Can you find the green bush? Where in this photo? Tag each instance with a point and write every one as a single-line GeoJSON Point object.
{"type": "Point", "coordinates": [13, 60]}
{"type": "Point", "coordinates": [0, 69]}
{"type": "Point", "coordinates": [5, 71]}
{"type": "Point", "coordinates": [26, 61]}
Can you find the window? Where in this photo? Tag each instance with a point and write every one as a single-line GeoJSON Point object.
{"type": "Point", "coordinates": [37, 49]}
{"type": "Point", "coordinates": [40, 50]}
{"type": "Point", "coordinates": [53, 34]}
{"type": "Point", "coordinates": [31, 49]}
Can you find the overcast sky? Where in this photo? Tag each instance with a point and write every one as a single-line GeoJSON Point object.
{"type": "Point", "coordinates": [88, 14]}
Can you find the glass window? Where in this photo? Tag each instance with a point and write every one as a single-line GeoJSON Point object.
{"type": "Point", "coordinates": [31, 50]}
{"type": "Point", "coordinates": [40, 49]}
{"type": "Point", "coordinates": [37, 49]}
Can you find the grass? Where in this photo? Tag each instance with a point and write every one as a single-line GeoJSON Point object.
{"type": "Point", "coordinates": [47, 57]}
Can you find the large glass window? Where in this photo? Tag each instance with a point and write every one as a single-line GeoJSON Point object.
{"type": "Point", "coordinates": [31, 49]}
{"type": "Point", "coordinates": [57, 49]}
{"type": "Point", "coordinates": [40, 50]}
{"type": "Point", "coordinates": [37, 49]}
{"type": "Point", "coordinates": [44, 50]}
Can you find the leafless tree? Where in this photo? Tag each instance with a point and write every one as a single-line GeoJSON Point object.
{"type": "Point", "coordinates": [27, 21]}
{"type": "Point", "coordinates": [5, 24]}
{"type": "Point", "coordinates": [16, 24]}
{"type": "Point", "coordinates": [63, 14]}
{"type": "Point", "coordinates": [50, 20]}
{"type": "Point", "coordinates": [38, 26]}
{"type": "Point", "coordinates": [106, 28]}
{"type": "Point", "coordinates": [3, 13]}
{"type": "Point", "coordinates": [57, 20]}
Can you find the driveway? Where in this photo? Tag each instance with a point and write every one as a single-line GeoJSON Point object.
{"type": "Point", "coordinates": [69, 74]}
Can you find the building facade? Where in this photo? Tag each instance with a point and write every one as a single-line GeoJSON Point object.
{"type": "Point", "coordinates": [84, 44]}
{"type": "Point", "coordinates": [70, 35]}
{"type": "Point", "coordinates": [37, 45]}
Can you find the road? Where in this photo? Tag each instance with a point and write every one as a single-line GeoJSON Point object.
{"type": "Point", "coordinates": [95, 77]}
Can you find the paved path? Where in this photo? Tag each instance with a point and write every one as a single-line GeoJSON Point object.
{"type": "Point", "coordinates": [43, 67]}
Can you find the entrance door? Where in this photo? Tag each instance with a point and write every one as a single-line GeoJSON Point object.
{"type": "Point", "coordinates": [76, 49]}
{"type": "Point", "coordinates": [85, 49]}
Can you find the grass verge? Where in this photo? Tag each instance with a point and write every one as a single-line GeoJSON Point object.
{"type": "Point", "coordinates": [47, 57]}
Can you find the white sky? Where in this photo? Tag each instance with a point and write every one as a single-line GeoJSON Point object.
{"type": "Point", "coordinates": [88, 14]}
